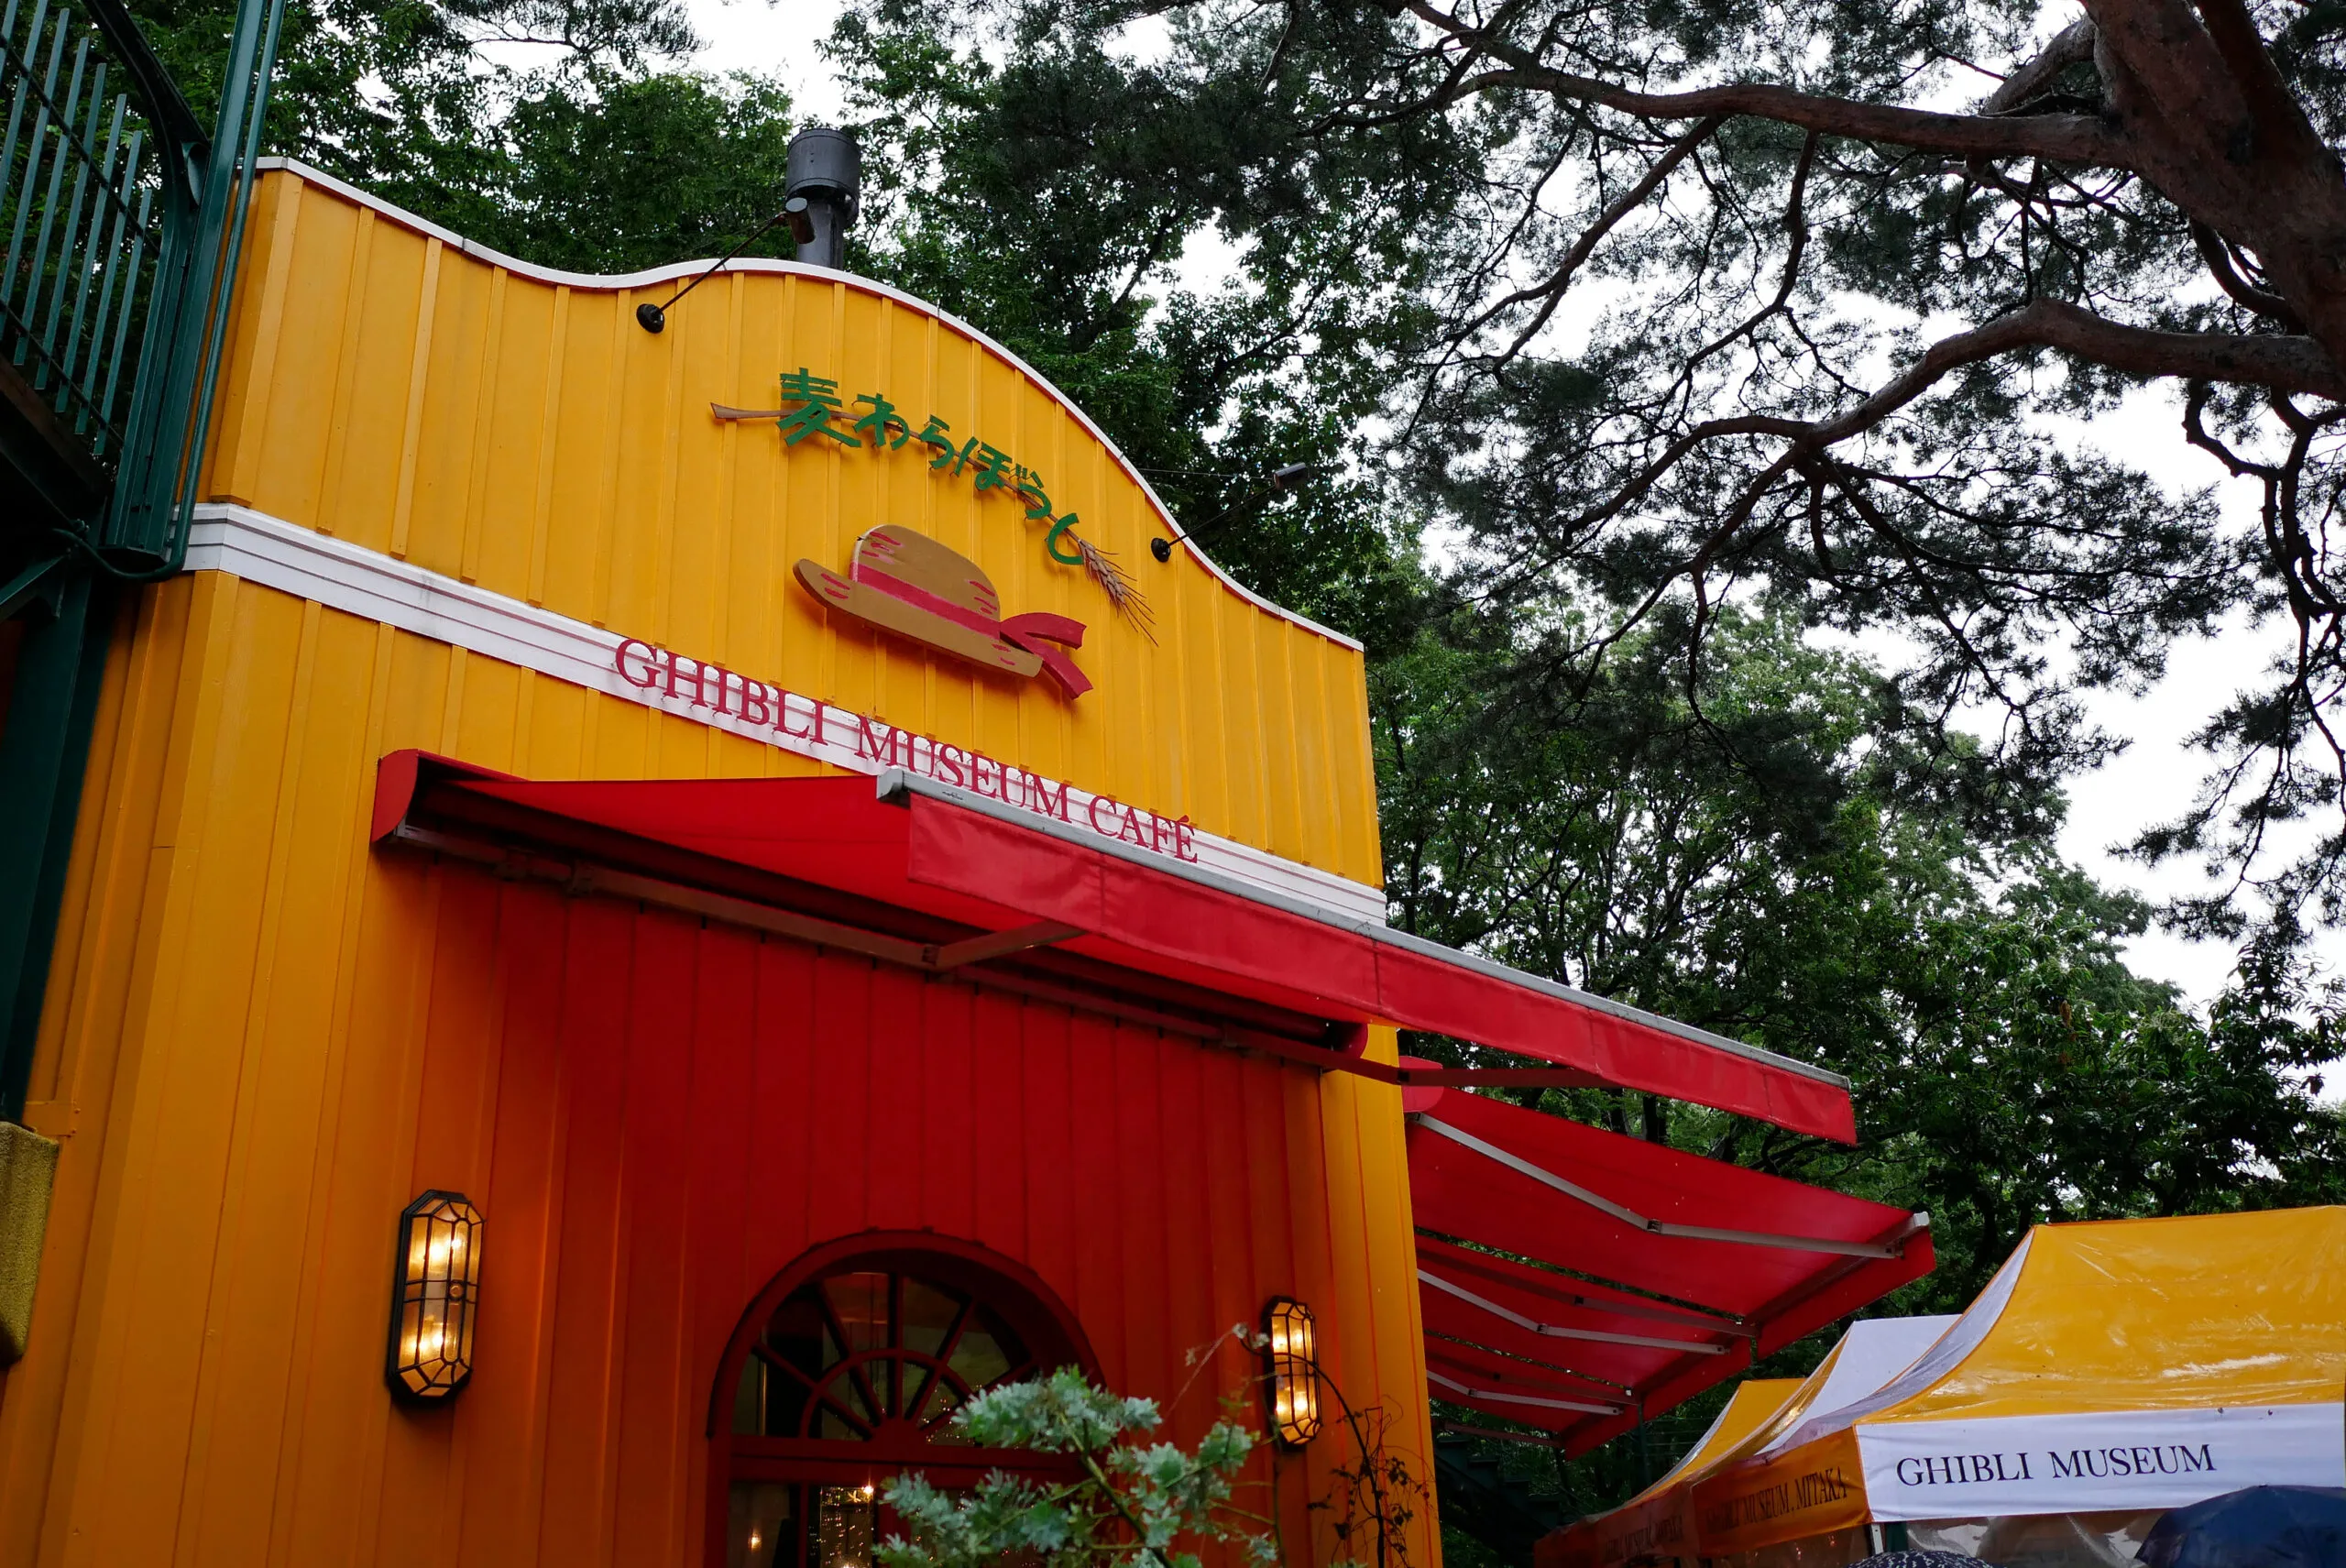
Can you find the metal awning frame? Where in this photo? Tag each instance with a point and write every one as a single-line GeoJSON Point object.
{"type": "Point", "coordinates": [1493, 1396]}
{"type": "Point", "coordinates": [1560, 1330]}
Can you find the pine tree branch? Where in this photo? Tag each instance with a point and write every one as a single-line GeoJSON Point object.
{"type": "Point", "coordinates": [2064, 138]}
{"type": "Point", "coordinates": [2073, 45]}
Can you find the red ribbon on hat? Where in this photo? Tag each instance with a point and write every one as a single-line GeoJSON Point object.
{"type": "Point", "coordinates": [1036, 631]}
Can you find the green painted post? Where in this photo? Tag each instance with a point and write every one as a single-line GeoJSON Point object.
{"type": "Point", "coordinates": [203, 238]}
{"type": "Point", "coordinates": [43, 748]}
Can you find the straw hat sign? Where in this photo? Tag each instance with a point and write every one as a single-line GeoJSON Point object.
{"type": "Point", "coordinates": [908, 584]}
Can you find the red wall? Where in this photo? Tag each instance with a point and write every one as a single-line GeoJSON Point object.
{"type": "Point", "coordinates": [656, 1116]}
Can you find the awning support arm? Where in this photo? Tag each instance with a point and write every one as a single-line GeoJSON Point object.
{"type": "Point", "coordinates": [1703, 1320]}
{"type": "Point", "coordinates": [1541, 1440]}
{"type": "Point", "coordinates": [1557, 1331]}
{"type": "Point", "coordinates": [1361, 1066]}
{"type": "Point", "coordinates": [1018, 939]}
{"type": "Point", "coordinates": [1492, 1396]}
{"type": "Point", "coordinates": [1605, 1387]}
{"type": "Point", "coordinates": [1653, 1227]}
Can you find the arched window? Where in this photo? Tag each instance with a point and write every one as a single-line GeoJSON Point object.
{"type": "Point", "coordinates": [847, 1370]}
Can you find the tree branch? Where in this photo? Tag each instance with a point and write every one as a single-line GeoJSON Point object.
{"type": "Point", "coordinates": [2219, 257]}
{"type": "Point", "coordinates": [2283, 364]}
{"type": "Point", "coordinates": [2064, 138]}
{"type": "Point", "coordinates": [2195, 431]}
{"type": "Point", "coordinates": [1553, 286]}
{"type": "Point", "coordinates": [2073, 45]}
{"type": "Point", "coordinates": [2271, 106]}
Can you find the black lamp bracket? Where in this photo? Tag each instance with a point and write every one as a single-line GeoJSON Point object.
{"type": "Point", "coordinates": [1290, 476]}
{"type": "Point", "coordinates": [654, 318]}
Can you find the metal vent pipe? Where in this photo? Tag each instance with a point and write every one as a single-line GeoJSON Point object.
{"type": "Point", "coordinates": [822, 178]}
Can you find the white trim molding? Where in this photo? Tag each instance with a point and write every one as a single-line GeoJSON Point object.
{"type": "Point", "coordinates": [341, 575]}
{"type": "Point", "coordinates": [612, 284]}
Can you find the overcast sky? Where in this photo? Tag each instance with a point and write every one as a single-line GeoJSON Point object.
{"type": "Point", "coordinates": [2154, 779]}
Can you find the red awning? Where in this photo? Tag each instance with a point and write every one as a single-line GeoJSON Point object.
{"type": "Point", "coordinates": [920, 872]}
{"type": "Point", "coordinates": [1684, 1270]}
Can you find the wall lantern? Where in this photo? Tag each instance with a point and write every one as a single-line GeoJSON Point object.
{"type": "Point", "coordinates": [1294, 1358]}
{"type": "Point", "coordinates": [435, 1296]}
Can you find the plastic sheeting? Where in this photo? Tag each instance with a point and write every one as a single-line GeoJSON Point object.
{"type": "Point", "coordinates": [2039, 1541]}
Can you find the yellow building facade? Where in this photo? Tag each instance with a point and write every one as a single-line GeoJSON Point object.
{"type": "Point", "coordinates": [459, 506]}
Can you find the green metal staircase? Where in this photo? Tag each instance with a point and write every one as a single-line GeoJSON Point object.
{"type": "Point", "coordinates": [122, 221]}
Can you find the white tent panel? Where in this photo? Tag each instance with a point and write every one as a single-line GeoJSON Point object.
{"type": "Point", "coordinates": [2095, 1461]}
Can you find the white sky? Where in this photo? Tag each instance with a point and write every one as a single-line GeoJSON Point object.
{"type": "Point", "coordinates": [2154, 779]}
{"type": "Point", "coordinates": [775, 38]}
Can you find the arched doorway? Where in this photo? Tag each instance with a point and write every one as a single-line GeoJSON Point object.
{"type": "Point", "coordinates": [847, 1370]}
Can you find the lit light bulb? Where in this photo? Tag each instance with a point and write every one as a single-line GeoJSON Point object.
{"type": "Point", "coordinates": [755, 1541]}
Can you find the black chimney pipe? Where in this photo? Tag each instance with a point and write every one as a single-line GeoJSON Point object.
{"type": "Point", "coordinates": [821, 174]}
{"type": "Point", "coordinates": [821, 180]}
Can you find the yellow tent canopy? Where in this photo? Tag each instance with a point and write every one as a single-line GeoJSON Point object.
{"type": "Point", "coordinates": [1658, 1521]}
{"type": "Point", "coordinates": [1655, 1521]}
{"type": "Point", "coordinates": [2118, 1365]}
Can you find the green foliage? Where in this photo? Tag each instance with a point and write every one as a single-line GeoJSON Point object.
{"type": "Point", "coordinates": [651, 170]}
{"type": "Point", "coordinates": [1030, 179]}
{"type": "Point", "coordinates": [1765, 856]}
{"type": "Point", "coordinates": [558, 131]}
{"type": "Point", "coordinates": [1762, 858]}
{"type": "Point", "coordinates": [1133, 1505]}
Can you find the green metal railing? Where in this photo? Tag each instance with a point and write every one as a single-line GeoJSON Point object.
{"type": "Point", "coordinates": [78, 183]}
{"type": "Point", "coordinates": [123, 223]}
{"type": "Point", "coordinates": [145, 530]}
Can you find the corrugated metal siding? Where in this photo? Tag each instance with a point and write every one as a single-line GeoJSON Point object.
{"type": "Point", "coordinates": [263, 1037]}
{"type": "Point", "coordinates": [532, 439]}
{"type": "Point", "coordinates": [690, 1108]}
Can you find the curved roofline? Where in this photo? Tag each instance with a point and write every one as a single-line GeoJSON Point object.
{"type": "Point", "coordinates": [614, 282]}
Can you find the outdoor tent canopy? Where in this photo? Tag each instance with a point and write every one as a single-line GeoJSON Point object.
{"type": "Point", "coordinates": [1659, 1521]}
{"type": "Point", "coordinates": [2110, 1365]}
{"type": "Point", "coordinates": [1655, 1523]}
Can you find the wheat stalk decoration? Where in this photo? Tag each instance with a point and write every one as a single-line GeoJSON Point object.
{"type": "Point", "coordinates": [1118, 585]}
